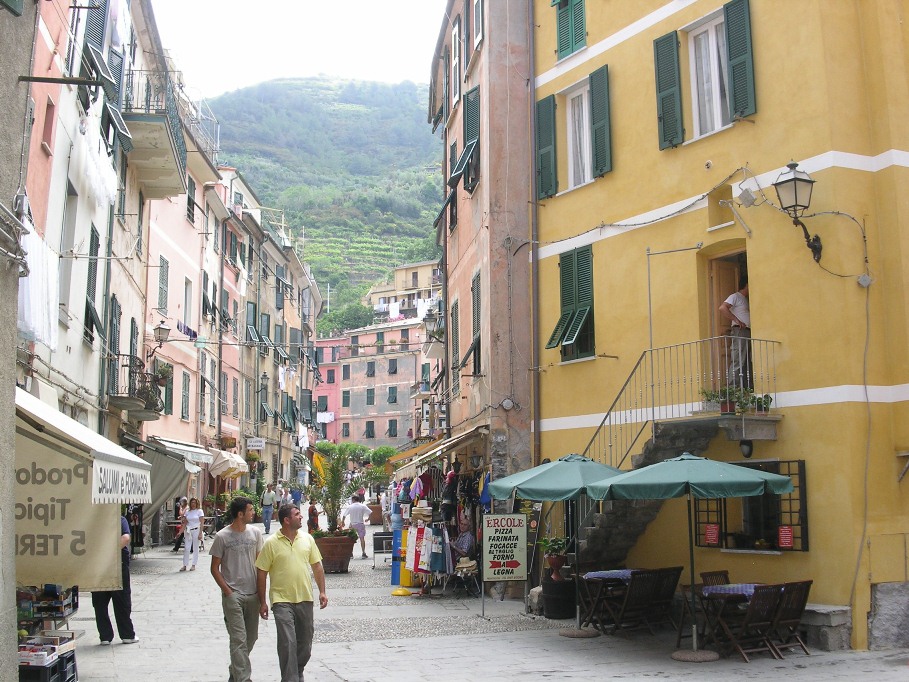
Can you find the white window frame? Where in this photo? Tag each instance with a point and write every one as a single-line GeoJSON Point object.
{"type": "Point", "coordinates": [577, 124]}
{"type": "Point", "coordinates": [455, 79]}
{"type": "Point", "coordinates": [717, 109]}
{"type": "Point", "coordinates": [477, 23]}
{"type": "Point", "coordinates": [188, 302]}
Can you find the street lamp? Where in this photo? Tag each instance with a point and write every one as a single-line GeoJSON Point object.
{"type": "Point", "coordinates": [263, 382]}
{"type": "Point", "coordinates": [793, 189]}
{"type": "Point", "coordinates": [161, 332]}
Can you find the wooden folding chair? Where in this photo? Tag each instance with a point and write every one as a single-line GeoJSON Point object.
{"type": "Point", "coordinates": [715, 577]}
{"type": "Point", "coordinates": [628, 608]}
{"type": "Point", "coordinates": [784, 633]}
{"type": "Point", "coordinates": [750, 632]}
{"type": "Point", "coordinates": [660, 610]}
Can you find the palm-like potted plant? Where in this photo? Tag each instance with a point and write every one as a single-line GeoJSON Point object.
{"type": "Point", "coordinates": [554, 551]}
{"type": "Point", "coordinates": [331, 489]}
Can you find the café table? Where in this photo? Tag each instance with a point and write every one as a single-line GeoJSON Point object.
{"type": "Point", "coordinates": [597, 586]}
{"type": "Point", "coordinates": [715, 599]}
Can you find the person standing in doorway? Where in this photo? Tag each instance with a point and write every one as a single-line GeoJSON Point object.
{"type": "Point", "coordinates": [358, 513]}
{"type": "Point", "coordinates": [233, 558]}
{"type": "Point", "coordinates": [312, 520]}
{"type": "Point", "coordinates": [284, 559]}
{"type": "Point", "coordinates": [736, 309]}
{"type": "Point", "coordinates": [122, 599]}
{"type": "Point", "coordinates": [268, 501]}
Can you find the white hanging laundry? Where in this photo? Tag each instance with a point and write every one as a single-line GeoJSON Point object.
{"type": "Point", "coordinates": [281, 377]}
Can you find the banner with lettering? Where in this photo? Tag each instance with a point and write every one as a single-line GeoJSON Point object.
{"type": "Point", "coordinates": [61, 537]}
{"type": "Point", "coordinates": [504, 547]}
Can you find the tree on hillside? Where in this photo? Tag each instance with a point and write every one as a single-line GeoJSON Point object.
{"type": "Point", "coordinates": [352, 316]}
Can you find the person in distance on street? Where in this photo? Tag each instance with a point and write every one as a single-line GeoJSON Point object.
{"type": "Point", "coordinates": [358, 513]}
{"type": "Point", "coordinates": [233, 557]}
{"type": "Point", "coordinates": [193, 523]}
{"type": "Point", "coordinates": [284, 561]}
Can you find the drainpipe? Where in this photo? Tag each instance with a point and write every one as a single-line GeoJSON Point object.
{"type": "Point", "coordinates": [446, 318]}
{"type": "Point", "coordinates": [534, 266]}
{"type": "Point", "coordinates": [222, 399]}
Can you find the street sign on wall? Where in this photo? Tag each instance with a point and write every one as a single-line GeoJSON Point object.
{"type": "Point", "coordinates": [504, 547]}
{"type": "Point", "coordinates": [255, 443]}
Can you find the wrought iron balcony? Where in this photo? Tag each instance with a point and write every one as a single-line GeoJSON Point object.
{"type": "Point", "coordinates": [152, 402]}
{"type": "Point", "coordinates": [123, 382]}
{"type": "Point", "coordinates": [159, 150]}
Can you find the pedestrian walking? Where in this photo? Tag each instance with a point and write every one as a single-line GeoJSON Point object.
{"type": "Point", "coordinates": [178, 531]}
{"type": "Point", "coordinates": [284, 559]}
{"type": "Point", "coordinates": [192, 534]}
{"type": "Point", "coordinates": [268, 501]}
{"type": "Point", "coordinates": [358, 513]}
{"type": "Point", "coordinates": [122, 599]}
{"type": "Point", "coordinates": [233, 557]}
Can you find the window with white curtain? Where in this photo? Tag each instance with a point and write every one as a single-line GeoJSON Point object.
{"type": "Point", "coordinates": [579, 164]}
{"type": "Point", "coordinates": [709, 76]}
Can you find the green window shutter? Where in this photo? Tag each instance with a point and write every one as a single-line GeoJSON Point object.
{"type": "Point", "coordinates": [547, 179]}
{"type": "Point", "coordinates": [471, 115]}
{"type": "Point", "coordinates": [563, 22]}
{"type": "Point", "coordinates": [306, 405]}
{"type": "Point", "coordinates": [94, 25]}
{"type": "Point", "coordinates": [475, 294]}
{"type": "Point", "coordinates": [455, 346]}
{"type": "Point", "coordinates": [14, 6]}
{"type": "Point", "coordinates": [169, 392]}
{"type": "Point", "coordinates": [555, 339]}
{"type": "Point", "coordinates": [115, 64]}
{"type": "Point", "coordinates": [446, 61]}
{"type": "Point", "coordinates": [184, 398]}
{"type": "Point", "coordinates": [425, 370]}
{"type": "Point", "coordinates": [393, 428]}
{"type": "Point", "coordinates": [737, 16]}
{"type": "Point", "coordinates": [345, 398]}
{"type": "Point", "coordinates": [94, 244]}
{"type": "Point", "coordinates": [392, 394]}
{"type": "Point", "coordinates": [567, 280]}
{"type": "Point", "coordinates": [578, 25]}
{"type": "Point", "coordinates": [163, 272]}
{"type": "Point", "coordinates": [668, 89]}
{"type": "Point", "coordinates": [583, 277]}
{"type": "Point", "coordinates": [600, 134]}
{"type": "Point", "coordinates": [323, 403]}
{"type": "Point", "coordinates": [370, 396]}
{"type": "Point", "coordinates": [233, 247]}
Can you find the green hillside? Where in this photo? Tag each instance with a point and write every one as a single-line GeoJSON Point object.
{"type": "Point", "coordinates": [353, 164]}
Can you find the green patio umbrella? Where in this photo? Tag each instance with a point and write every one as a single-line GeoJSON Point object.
{"type": "Point", "coordinates": [689, 476]}
{"type": "Point", "coordinates": [564, 479]}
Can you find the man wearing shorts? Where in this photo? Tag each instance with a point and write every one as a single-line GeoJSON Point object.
{"type": "Point", "coordinates": [358, 513]}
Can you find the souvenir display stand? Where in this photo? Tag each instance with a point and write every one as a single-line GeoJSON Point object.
{"type": "Point", "coordinates": [47, 649]}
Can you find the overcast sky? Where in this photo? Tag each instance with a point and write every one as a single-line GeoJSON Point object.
{"type": "Point", "coordinates": [223, 45]}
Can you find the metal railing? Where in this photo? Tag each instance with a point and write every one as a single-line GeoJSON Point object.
{"type": "Point", "coordinates": [152, 92]}
{"type": "Point", "coordinates": [124, 375]}
{"type": "Point", "coordinates": [689, 380]}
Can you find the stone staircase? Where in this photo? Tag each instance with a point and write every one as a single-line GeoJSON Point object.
{"type": "Point", "coordinates": [614, 531]}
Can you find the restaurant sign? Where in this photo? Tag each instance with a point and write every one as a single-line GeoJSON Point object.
{"type": "Point", "coordinates": [712, 534]}
{"type": "Point", "coordinates": [504, 547]}
{"type": "Point", "coordinates": [784, 537]}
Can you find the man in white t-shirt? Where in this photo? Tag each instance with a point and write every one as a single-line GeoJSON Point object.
{"type": "Point", "coordinates": [358, 513]}
{"type": "Point", "coordinates": [735, 309]}
{"type": "Point", "coordinates": [233, 566]}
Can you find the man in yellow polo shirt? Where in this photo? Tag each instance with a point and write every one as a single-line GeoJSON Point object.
{"type": "Point", "coordinates": [286, 557]}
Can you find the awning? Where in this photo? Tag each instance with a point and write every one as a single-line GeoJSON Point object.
{"type": "Point", "coordinates": [191, 451]}
{"type": "Point", "coordinates": [168, 474]}
{"type": "Point", "coordinates": [412, 452]}
{"type": "Point", "coordinates": [70, 482]}
{"type": "Point", "coordinates": [226, 464]}
{"type": "Point", "coordinates": [117, 477]}
{"type": "Point", "coordinates": [410, 469]}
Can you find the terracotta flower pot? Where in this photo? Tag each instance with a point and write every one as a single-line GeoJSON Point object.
{"type": "Point", "coordinates": [336, 553]}
{"type": "Point", "coordinates": [556, 561]}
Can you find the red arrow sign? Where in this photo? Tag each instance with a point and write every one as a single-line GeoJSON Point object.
{"type": "Point", "coordinates": [504, 564]}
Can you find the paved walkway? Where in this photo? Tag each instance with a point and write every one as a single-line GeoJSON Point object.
{"type": "Point", "coordinates": [366, 634]}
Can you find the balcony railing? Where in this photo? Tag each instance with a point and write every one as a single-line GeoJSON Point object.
{"type": "Point", "coordinates": [152, 92]}
{"type": "Point", "coordinates": [690, 380]}
{"type": "Point", "coordinates": [421, 389]}
{"type": "Point", "coordinates": [124, 379]}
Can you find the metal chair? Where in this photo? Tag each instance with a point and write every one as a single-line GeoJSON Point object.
{"type": "Point", "coordinates": [749, 631]}
{"type": "Point", "coordinates": [784, 633]}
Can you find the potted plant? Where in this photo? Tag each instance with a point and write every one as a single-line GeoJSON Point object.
{"type": "Point", "coordinates": [711, 399]}
{"type": "Point", "coordinates": [164, 374]}
{"type": "Point", "coordinates": [761, 402]}
{"type": "Point", "coordinates": [554, 551]}
{"type": "Point", "coordinates": [330, 489]}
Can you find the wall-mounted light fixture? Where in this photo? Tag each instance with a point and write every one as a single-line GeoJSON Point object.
{"type": "Point", "coordinates": [263, 382]}
{"type": "Point", "coordinates": [747, 448]}
{"type": "Point", "coordinates": [476, 460]}
{"type": "Point", "coordinates": [793, 189]}
{"type": "Point", "coordinates": [162, 333]}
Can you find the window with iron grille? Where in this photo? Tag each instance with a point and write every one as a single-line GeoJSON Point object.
{"type": "Point", "coordinates": [760, 523]}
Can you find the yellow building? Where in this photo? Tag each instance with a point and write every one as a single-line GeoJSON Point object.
{"type": "Point", "coordinates": [660, 129]}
